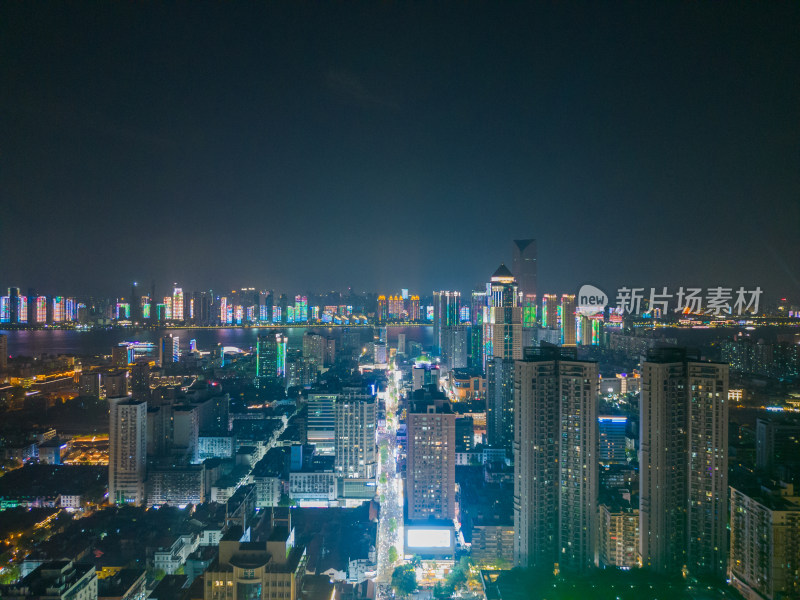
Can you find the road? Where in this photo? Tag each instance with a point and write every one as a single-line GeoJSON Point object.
{"type": "Point", "coordinates": [391, 492]}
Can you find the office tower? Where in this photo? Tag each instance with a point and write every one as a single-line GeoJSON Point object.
{"type": "Point", "coordinates": [524, 266]}
{"type": "Point", "coordinates": [424, 375]}
{"type": "Point", "coordinates": [465, 434]}
{"type": "Point", "coordinates": [446, 306]}
{"type": "Point", "coordinates": [40, 310]}
{"type": "Point", "coordinates": [612, 439]}
{"type": "Point", "coordinates": [3, 352]}
{"type": "Point", "coordinates": [116, 384]}
{"type": "Point", "coordinates": [550, 311]}
{"type": "Point", "coordinates": [502, 344]}
{"type": "Point", "coordinates": [330, 352]}
{"type": "Point", "coordinates": [395, 307]}
{"type": "Point", "coordinates": [13, 305]}
{"type": "Point", "coordinates": [283, 304]}
{"type": "Point", "coordinates": [765, 542]}
{"type": "Point", "coordinates": [500, 404]}
{"type": "Point", "coordinates": [555, 459]}
{"type": "Point", "coordinates": [127, 454]}
{"type": "Point", "coordinates": [568, 322]}
{"type": "Point", "coordinates": [140, 380]}
{"type": "Point", "coordinates": [267, 303]}
{"type": "Point", "coordinates": [430, 472]}
{"type": "Point", "coordinates": [383, 311]}
{"type": "Point", "coordinates": [683, 463]}
{"type": "Point", "coordinates": [89, 384]}
{"type": "Point", "coordinates": [314, 348]}
{"type": "Point", "coordinates": [455, 346]}
{"type": "Point", "coordinates": [186, 431]}
{"type": "Point", "coordinates": [301, 309]}
{"type": "Point", "coordinates": [169, 350]}
{"type": "Point", "coordinates": [321, 424]}
{"type": "Point", "coordinates": [22, 309]}
{"type": "Point", "coordinates": [5, 309]}
{"type": "Point", "coordinates": [380, 354]}
{"type": "Point", "coordinates": [502, 326]}
{"type": "Point", "coordinates": [413, 309]}
{"type": "Point", "coordinates": [122, 355]}
{"type": "Point", "coordinates": [777, 442]}
{"type": "Point", "coordinates": [177, 304]}
{"type": "Point", "coordinates": [477, 305]}
{"type": "Point", "coordinates": [401, 343]}
{"type": "Point", "coordinates": [135, 303]}
{"type": "Point", "coordinates": [30, 309]}
{"type": "Point", "coordinates": [354, 433]}
{"type": "Point", "coordinates": [301, 371]}
{"type": "Point", "coordinates": [271, 356]}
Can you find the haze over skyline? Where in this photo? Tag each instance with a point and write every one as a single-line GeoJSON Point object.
{"type": "Point", "coordinates": [380, 146]}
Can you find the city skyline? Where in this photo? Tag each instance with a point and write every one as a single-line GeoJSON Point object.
{"type": "Point", "coordinates": [634, 142]}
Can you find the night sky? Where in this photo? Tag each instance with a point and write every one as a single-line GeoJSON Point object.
{"type": "Point", "coordinates": [312, 146]}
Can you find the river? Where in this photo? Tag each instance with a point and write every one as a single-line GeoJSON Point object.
{"type": "Point", "coordinates": [99, 341]}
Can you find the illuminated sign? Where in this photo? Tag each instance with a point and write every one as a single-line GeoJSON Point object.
{"type": "Point", "coordinates": [428, 538]}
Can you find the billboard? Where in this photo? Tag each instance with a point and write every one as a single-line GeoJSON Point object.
{"type": "Point", "coordinates": [430, 539]}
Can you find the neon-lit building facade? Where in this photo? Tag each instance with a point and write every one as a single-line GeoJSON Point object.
{"type": "Point", "coordinates": [59, 309]}
{"type": "Point", "coordinates": [271, 356]}
{"type": "Point", "coordinates": [223, 309]}
{"type": "Point", "coordinates": [383, 311]}
{"type": "Point", "coordinates": [568, 324]}
{"type": "Point", "coordinates": [413, 308]}
{"type": "Point", "coordinates": [41, 309]}
{"type": "Point", "coordinates": [177, 304]}
{"type": "Point", "coordinates": [550, 309]}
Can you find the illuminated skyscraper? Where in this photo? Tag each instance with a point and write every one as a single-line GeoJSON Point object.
{"type": "Point", "coordinates": [683, 463]}
{"type": "Point", "coordinates": [13, 305]}
{"type": "Point", "coordinates": [5, 309]}
{"type": "Point", "coordinates": [40, 309]}
{"type": "Point", "coordinates": [395, 307]}
{"type": "Point", "coordinates": [383, 310]}
{"type": "Point", "coordinates": [127, 451]}
{"type": "Point", "coordinates": [550, 311]}
{"type": "Point", "coordinates": [321, 427]}
{"type": "Point", "coordinates": [177, 304]}
{"type": "Point", "coordinates": [413, 308]}
{"type": "Point", "coordinates": [446, 307]}
{"type": "Point", "coordinates": [223, 310]}
{"type": "Point", "coordinates": [271, 356]}
{"type": "Point", "coordinates": [355, 427]}
{"type": "Point", "coordinates": [455, 344]}
{"type": "Point", "coordinates": [502, 323]}
{"type": "Point", "coordinates": [555, 460]}
{"type": "Point", "coordinates": [524, 267]}
{"type": "Point", "coordinates": [430, 474]}
{"type": "Point", "coordinates": [301, 309]}
{"type": "Point", "coordinates": [169, 350]}
{"type": "Point", "coordinates": [59, 309]}
{"type": "Point", "coordinates": [568, 322]}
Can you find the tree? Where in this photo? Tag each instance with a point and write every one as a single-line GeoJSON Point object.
{"type": "Point", "coordinates": [392, 554]}
{"type": "Point", "coordinates": [404, 580]}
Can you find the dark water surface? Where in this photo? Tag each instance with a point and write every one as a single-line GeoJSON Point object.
{"type": "Point", "coordinates": [83, 343]}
